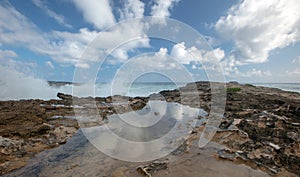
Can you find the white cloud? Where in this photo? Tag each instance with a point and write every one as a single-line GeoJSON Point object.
{"type": "Point", "coordinates": [132, 9]}
{"type": "Point", "coordinates": [19, 30]}
{"type": "Point", "coordinates": [231, 68]}
{"type": "Point", "coordinates": [126, 37]}
{"type": "Point", "coordinates": [4, 54]}
{"type": "Point", "coordinates": [255, 72]}
{"type": "Point", "coordinates": [211, 40]}
{"type": "Point", "coordinates": [215, 55]}
{"type": "Point", "coordinates": [49, 63]}
{"type": "Point", "coordinates": [294, 72]}
{"type": "Point", "coordinates": [296, 60]}
{"type": "Point", "coordinates": [97, 12]}
{"type": "Point", "coordinates": [63, 47]}
{"type": "Point", "coordinates": [161, 8]}
{"type": "Point", "coordinates": [258, 27]}
{"type": "Point", "coordinates": [82, 65]}
{"type": "Point", "coordinates": [160, 60]}
{"type": "Point", "coordinates": [57, 17]}
{"type": "Point", "coordinates": [67, 47]}
{"type": "Point", "coordinates": [162, 52]}
{"type": "Point", "coordinates": [179, 52]}
{"type": "Point", "coordinates": [187, 55]}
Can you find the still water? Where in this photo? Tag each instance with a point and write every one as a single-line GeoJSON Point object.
{"type": "Point", "coordinates": [83, 154]}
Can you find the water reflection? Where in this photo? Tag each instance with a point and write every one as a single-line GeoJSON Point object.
{"type": "Point", "coordinates": [78, 157]}
{"type": "Point", "coordinates": [127, 136]}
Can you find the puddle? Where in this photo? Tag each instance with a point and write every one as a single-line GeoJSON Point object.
{"type": "Point", "coordinates": [61, 117]}
{"type": "Point", "coordinates": [151, 133]}
{"type": "Point", "coordinates": [80, 157]}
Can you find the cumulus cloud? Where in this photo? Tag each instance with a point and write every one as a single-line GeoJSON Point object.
{"type": "Point", "coordinates": [71, 46]}
{"type": "Point", "coordinates": [132, 9]}
{"type": "Point", "coordinates": [179, 52]}
{"type": "Point", "coordinates": [158, 61]}
{"type": "Point", "coordinates": [187, 55]}
{"type": "Point", "coordinates": [67, 47]}
{"type": "Point", "coordinates": [96, 12]}
{"type": "Point", "coordinates": [255, 72]}
{"type": "Point", "coordinates": [161, 8]}
{"type": "Point", "coordinates": [231, 68]}
{"type": "Point", "coordinates": [57, 17]}
{"type": "Point", "coordinates": [126, 37]}
{"type": "Point", "coordinates": [64, 47]}
{"type": "Point", "coordinates": [230, 65]}
{"type": "Point", "coordinates": [258, 27]}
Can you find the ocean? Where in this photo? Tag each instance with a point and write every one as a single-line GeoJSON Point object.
{"type": "Point", "coordinates": [42, 90]}
{"type": "Point", "coordinates": [294, 87]}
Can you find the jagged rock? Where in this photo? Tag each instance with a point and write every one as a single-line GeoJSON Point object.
{"type": "Point", "coordinates": [137, 104]}
{"type": "Point", "coordinates": [226, 123]}
{"type": "Point", "coordinates": [294, 136]}
{"type": "Point", "coordinates": [61, 134]}
{"type": "Point", "coordinates": [226, 154]}
{"type": "Point", "coordinates": [237, 122]}
{"type": "Point", "coordinates": [8, 143]}
{"type": "Point", "coordinates": [149, 170]}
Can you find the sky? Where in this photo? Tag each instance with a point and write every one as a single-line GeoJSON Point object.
{"type": "Point", "coordinates": [251, 40]}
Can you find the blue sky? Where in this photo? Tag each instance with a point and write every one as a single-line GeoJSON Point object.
{"type": "Point", "coordinates": [254, 41]}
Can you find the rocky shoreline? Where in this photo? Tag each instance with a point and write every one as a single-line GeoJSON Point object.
{"type": "Point", "coordinates": [260, 127]}
{"type": "Point", "coordinates": [28, 127]}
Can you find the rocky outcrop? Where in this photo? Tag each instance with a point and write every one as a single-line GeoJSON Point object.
{"type": "Point", "coordinates": [260, 125]}
{"type": "Point", "coordinates": [30, 126]}
{"type": "Point", "coordinates": [153, 167]}
{"type": "Point", "coordinates": [64, 96]}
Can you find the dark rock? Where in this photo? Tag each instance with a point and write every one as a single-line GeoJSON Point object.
{"type": "Point", "coordinates": [226, 123]}
{"type": "Point", "coordinates": [64, 96]}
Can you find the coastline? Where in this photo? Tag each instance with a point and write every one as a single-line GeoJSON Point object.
{"type": "Point", "coordinates": [292, 87]}
{"type": "Point", "coordinates": [29, 126]}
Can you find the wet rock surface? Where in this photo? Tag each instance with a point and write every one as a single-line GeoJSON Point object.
{"type": "Point", "coordinates": [260, 128]}
{"type": "Point", "coordinates": [31, 126]}
{"type": "Point", "coordinates": [78, 157]}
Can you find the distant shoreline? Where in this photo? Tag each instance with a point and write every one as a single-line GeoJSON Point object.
{"type": "Point", "coordinates": [294, 87]}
